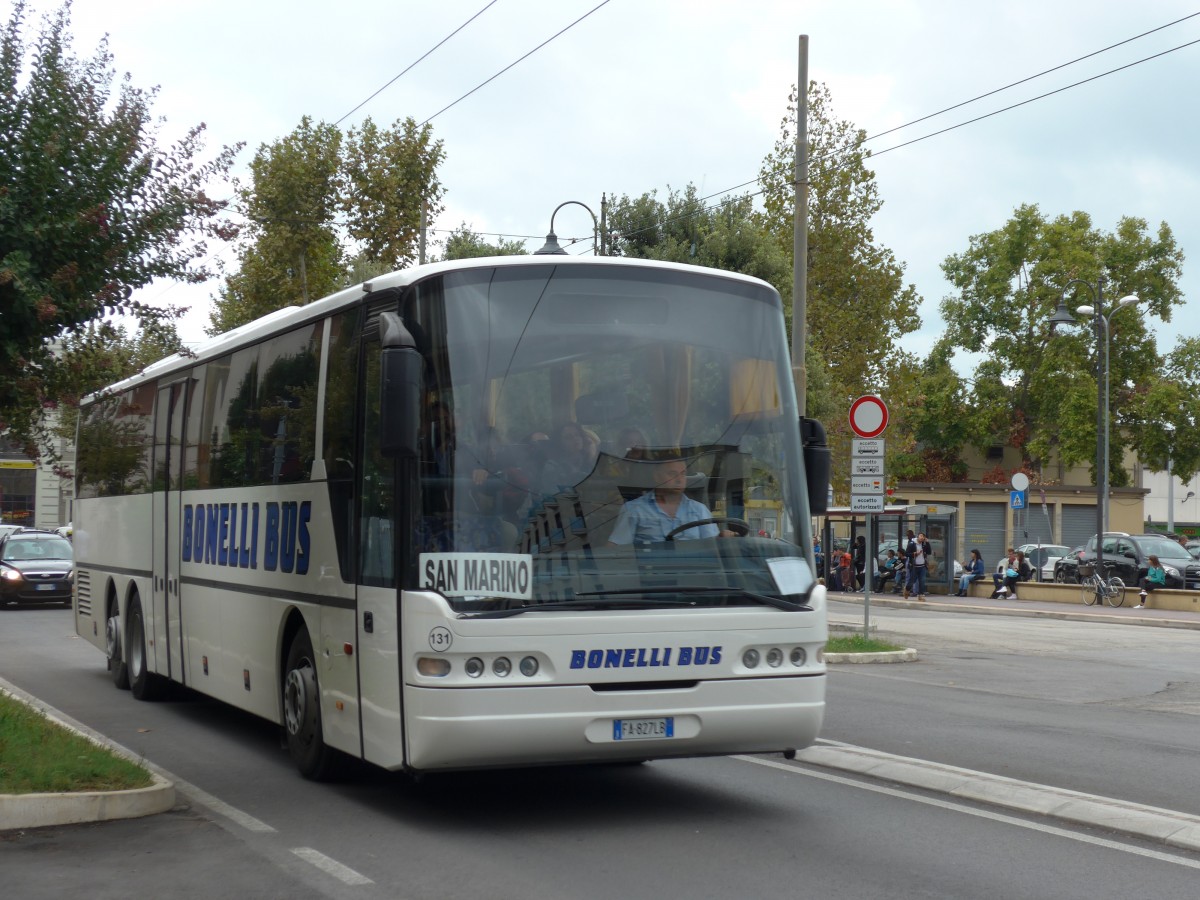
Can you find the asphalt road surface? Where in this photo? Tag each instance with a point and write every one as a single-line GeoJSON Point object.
{"type": "Point", "coordinates": [248, 826]}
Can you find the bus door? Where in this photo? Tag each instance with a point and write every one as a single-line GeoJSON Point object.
{"type": "Point", "coordinates": [166, 655]}
{"type": "Point", "coordinates": [378, 603]}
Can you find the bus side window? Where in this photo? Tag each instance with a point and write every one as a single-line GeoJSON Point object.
{"type": "Point", "coordinates": [376, 483]}
{"type": "Point", "coordinates": [341, 386]}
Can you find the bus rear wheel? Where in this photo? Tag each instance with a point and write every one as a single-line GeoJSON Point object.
{"type": "Point", "coordinates": [117, 670]}
{"type": "Point", "coordinates": [302, 711]}
{"type": "Point", "coordinates": [144, 684]}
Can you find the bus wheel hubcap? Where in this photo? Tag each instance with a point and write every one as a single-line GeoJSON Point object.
{"type": "Point", "coordinates": [297, 700]}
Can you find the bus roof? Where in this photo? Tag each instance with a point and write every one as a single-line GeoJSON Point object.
{"type": "Point", "coordinates": [283, 319]}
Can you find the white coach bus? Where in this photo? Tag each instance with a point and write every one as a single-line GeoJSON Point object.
{"type": "Point", "coordinates": [347, 518]}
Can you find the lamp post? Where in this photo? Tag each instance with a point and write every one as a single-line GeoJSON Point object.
{"type": "Point", "coordinates": [1063, 316]}
{"type": "Point", "coordinates": [551, 247]}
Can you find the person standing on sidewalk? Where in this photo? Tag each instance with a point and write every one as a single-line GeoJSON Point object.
{"type": "Point", "coordinates": [918, 553]}
{"type": "Point", "coordinates": [1156, 577]}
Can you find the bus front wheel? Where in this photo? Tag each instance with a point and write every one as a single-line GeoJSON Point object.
{"type": "Point", "coordinates": [302, 711]}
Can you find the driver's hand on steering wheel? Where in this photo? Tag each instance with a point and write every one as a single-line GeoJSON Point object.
{"type": "Point", "coordinates": [727, 533]}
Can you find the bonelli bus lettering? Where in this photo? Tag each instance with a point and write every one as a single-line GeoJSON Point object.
{"type": "Point", "coordinates": [343, 518]}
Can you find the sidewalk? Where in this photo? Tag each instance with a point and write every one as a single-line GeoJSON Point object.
{"type": "Point", "coordinates": [1077, 612]}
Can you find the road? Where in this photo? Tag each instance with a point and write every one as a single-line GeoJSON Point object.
{"type": "Point", "coordinates": [248, 826]}
{"type": "Point", "coordinates": [1106, 709]}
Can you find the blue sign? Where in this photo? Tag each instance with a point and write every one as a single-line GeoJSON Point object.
{"type": "Point", "coordinates": [1016, 499]}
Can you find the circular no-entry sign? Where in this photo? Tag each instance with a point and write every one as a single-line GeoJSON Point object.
{"type": "Point", "coordinates": [868, 416]}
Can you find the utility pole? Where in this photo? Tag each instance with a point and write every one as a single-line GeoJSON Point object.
{"type": "Point", "coordinates": [800, 234]}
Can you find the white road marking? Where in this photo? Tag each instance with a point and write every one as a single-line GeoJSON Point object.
{"type": "Point", "coordinates": [980, 813]}
{"type": "Point", "coordinates": [220, 807]}
{"type": "Point", "coordinates": [331, 866]}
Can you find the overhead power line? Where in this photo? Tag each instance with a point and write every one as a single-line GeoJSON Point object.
{"type": "Point", "coordinates": [917, 140]}
{"type": "Point", "coordinates": [515, 62]}
{"type": "Point", "coordinates": [412, 65]}
{"type": "Point", "coordinates": [1032, 77]}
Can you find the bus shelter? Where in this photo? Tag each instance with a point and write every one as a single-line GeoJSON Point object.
{"type": "Point", "coordinates": [840, 528]}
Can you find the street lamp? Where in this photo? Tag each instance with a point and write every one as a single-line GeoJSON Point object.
{"type": "Point", "coordinates": [551, 247]}
{"type": "Point", "coordinates": [1063, 316]}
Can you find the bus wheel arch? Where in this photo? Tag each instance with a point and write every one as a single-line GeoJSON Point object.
{"type": "Point", "coordinates": [300, 696]}
{"type": "Point", "coordinates": [113, 638]}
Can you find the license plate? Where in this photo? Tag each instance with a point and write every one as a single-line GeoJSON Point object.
{"type": "Point", "coordinates": [46, 587]}
{"type": "Point", "coordinates": [643, 729]}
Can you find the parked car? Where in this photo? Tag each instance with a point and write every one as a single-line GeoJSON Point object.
{"type": "Point", "coordinates": [1127, 553]}
{"type": "Point", "coordinates": [6, 530]}
{"type": "Point", "coordinates": [1042, 557]}
{"type": "Point", "coordinates": [1065, 570]}
{"type": "Point", "coordinates": [35, 567]}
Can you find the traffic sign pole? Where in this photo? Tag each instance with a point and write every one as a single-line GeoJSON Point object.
{"type": "Point", "coordinates": [868, 421]}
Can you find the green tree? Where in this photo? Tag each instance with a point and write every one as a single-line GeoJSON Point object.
{"type": "Point", "coordinates": [388, 175]}
{"type": "Point", "coordinates": [463, 243]}
{"type": "Point", "coordinates": [294, 252]}
{"type": "Point", "coordinates": [858, 304]}
{"type": "Point", "coordinates": [1163, 415]}
{"type": "Point", "coordinates": [92, 207]}
{"type": "Point", "coordinates": [725, 235]}
{"type": "Point", "coordinates": [1038, 386]}
{"type": "Point", "coordinates": [290, 253]}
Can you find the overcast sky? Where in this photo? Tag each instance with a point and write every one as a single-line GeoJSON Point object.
{"type": "Point", "coordinates": [650, 94]}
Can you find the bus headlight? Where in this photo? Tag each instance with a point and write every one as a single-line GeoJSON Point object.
{"type": "Point", "coordinates": [502, 666]}
{"type": "Point", "coordinates": [774, 657]}
{"type": "Point", "coordinates": [473, 667]}
{"type": "Point", "coordinates": [529, 666]}
{"type": "Point", "coordinates": [798, 656]}
{"type": "Point", "coordinates": [750, 658]}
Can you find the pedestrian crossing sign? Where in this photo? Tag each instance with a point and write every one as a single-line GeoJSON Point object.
{"type": "Point", "coordinates": [1017, 499]}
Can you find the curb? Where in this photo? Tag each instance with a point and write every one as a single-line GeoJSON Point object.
{"type": "Point", "coordinates": [1025, 612]}
{"type": "Point", "coordinates": [909, 654]}
{"type": "Point", "coordinates": [1166, 826]}
{"type": "Point", "coordinates": [18, 811]}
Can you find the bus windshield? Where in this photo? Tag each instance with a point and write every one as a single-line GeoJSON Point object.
{"type": "Point", "coordinates": [598, 436]}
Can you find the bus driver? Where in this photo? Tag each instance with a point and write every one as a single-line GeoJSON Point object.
{"type": "Point", "coordinates": [652, 516]}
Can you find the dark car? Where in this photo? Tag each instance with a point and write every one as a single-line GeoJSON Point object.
{"type": "Point", "coordinates": [1128, 554]}
{"type": "Point", "coordinates": [1066, 569]}
{"type": "Point", "coordinates": [35, 567]}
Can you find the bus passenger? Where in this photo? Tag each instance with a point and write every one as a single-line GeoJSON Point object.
{"type": "Point", "coordinates": [652, 516]}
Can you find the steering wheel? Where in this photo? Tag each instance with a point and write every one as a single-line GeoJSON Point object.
{"type": "Point", "coordinates": [737, 526]}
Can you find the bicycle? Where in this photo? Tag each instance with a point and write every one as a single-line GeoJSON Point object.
{"type": "Point", "coordinates": [1108, 586]}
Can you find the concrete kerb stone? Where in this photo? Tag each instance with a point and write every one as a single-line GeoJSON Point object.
{"type": "Point", "coordinates": [908, 654]}
{"type": "Point", "coordinates": [1022, 611]}
{"type": "Point", "coordinates": [42, 810]}
{"type": "Point", "coordinates": [1166, 826]}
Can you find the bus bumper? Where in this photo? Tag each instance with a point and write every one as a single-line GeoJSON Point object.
{"type": "Point", "coordinates": [545, 725]}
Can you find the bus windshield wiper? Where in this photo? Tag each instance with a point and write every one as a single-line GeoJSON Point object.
{"type": "Point", "coordinates": [597, 601]}
{"type": "Point", "coordinates": [765, 599]}
{"type": "Point", "coordinates": [629, 599]}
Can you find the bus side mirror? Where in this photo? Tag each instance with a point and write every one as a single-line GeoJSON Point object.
{"type": "Point", "coordinates": [402, 376]}
{"type": "Point", "coordinates": [818, 464]}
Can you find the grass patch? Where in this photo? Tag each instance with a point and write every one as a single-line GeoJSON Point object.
{"type": "Point", "coordinates": [856, 643]}
{"type": "Point", "coordinates": [40, 756]}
